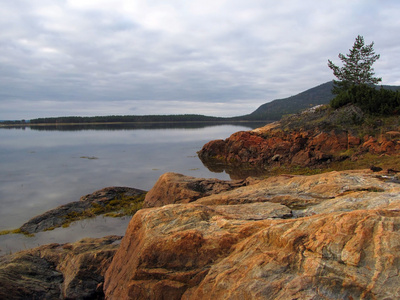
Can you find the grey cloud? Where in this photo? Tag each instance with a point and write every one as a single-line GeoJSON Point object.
{"type": "Point", "coordinates": [57, 55]}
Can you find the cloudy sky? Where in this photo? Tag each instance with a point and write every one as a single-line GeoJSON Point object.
{"type": "Point", "coordinates": [214, 57]}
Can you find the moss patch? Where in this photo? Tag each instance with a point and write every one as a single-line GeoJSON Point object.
{"type": "Point", "coordinates": [120, 206]}
{"type": "Point", "coordinates": [15, 231]}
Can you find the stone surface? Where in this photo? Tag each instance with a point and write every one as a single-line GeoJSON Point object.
{"type": "Point", "coordinates": [328, 236]}
{"type": "Point", "coordinates": [58, 271]}
{"type": "Point", "coordinates": [294, 141]}
{"type": "Point", "coordinates": [352, 255]}
{"type": "Point", "coordinates": [177, 188]}
{"type": "Point", "coordinates": [57, 217]}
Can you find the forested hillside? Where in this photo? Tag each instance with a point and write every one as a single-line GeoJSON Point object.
{"type": "Point", "coordinates": [274, 110]}
{"type": "Point", "coordinates": [270, 111]}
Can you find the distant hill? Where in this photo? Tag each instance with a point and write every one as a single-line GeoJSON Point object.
{"type": "Point", "coordinates": [267, 112]}
{"type": "Point", "coordinates": [274, 110]}
{"type": "Point", "coordinates": [271, 111]}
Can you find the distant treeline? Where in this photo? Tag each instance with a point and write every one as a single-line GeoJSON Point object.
{"type": "Point", "coordinates": [14, 122]}
{"type": "Point", "coordinates": [126, 119]}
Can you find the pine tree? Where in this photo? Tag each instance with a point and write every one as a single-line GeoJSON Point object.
{"type": "Point", "coordinates": [357, 67]}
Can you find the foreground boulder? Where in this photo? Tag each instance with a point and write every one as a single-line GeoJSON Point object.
{"type": "Point", "coordinates": [329, 236]}
{"type": "Point", "coordinates": [58, 271]}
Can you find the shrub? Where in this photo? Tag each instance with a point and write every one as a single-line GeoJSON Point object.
{"type": "Point", "coordinates": [369, 99]}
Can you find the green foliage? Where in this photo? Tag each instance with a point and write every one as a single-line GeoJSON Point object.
{"type": "Point", "coordinates": [357, 67]}
{"type": "Point", "coordinates": [372, 101]}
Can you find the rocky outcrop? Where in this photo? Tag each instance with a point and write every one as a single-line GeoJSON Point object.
{"type": "Point", "coordinates": [86, 207]}
{"type": "Point", "coordinates": [58, 271]}
{"type": "Point", "coordinates": [307, 139]}
{"type": "Point", "coordinates": [329, 236]}
{"type": "Point", "coordinates": [176, 188]}
{"type": "Point", "coordinates": [272, 147]}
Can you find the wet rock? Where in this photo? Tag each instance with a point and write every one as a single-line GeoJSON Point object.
{"type": "Point", "coordinates": [58, 216]}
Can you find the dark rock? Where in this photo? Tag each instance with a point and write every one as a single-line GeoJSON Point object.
{"type": "Point", "coordinates": [375, 169]}
{"type": "Point", "coordinates": [58, 271]}
{"type": "Point", "coordinates": [57, 217]}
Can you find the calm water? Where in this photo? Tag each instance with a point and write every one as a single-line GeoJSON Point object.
{"type": "Point", "coordinates": [42, 169]}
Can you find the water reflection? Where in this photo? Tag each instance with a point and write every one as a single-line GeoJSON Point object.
{"type": "Point", "coordinates": [42, 169]}
{"type": "Point", "coordinates": [133, 126]}
{"type": "Point", "coordinates": [95, 227]}
{"type": "Point", "coordinates": [234, 172]}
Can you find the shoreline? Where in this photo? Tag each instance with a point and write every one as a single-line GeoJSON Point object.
{"type": "Point", "coordinates": [138, 122]}
{"type": "Point", "coordinates": [107, 202]}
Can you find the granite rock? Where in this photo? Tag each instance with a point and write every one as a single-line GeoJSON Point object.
{"type": "Point", "coordinates": [328, 236]}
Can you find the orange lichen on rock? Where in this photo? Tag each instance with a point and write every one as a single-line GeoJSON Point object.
{"type": "Point", "coordinates": [342, 243]}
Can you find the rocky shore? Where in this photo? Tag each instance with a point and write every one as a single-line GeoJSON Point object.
{"type": "Point", "coordinates": [334, 235]}
{"type": "Point", "coordinates": [329, 236]}
{"type": "Point", "coordinates": [314, 138]}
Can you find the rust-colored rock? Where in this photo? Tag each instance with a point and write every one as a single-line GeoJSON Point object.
{"type": "Point", "coordinates": [294, 141]}
{"type": "Point", "coordinates": [328, 236]}
{"type": "Point", "coordinates": [274, 147]}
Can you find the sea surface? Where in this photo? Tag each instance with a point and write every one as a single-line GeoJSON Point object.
{"type": "Point", "coordinates": [44, 167]}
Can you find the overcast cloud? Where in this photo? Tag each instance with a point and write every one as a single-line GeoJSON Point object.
{"type": "Point", "coordinates": [222, 58]}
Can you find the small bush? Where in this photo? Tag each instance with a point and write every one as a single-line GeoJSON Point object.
{"type": "Point", "coordinates": [370, 100]}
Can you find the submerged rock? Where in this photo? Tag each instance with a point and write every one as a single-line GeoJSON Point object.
{"type": "Point", "coordinates": [58, 271]}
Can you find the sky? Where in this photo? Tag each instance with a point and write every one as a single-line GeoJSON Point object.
{"type": "Point", "coordinates": [219, 57]}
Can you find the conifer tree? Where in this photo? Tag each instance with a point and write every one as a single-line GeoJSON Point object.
{"type": "Point", "coordinates": [357, 67]}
